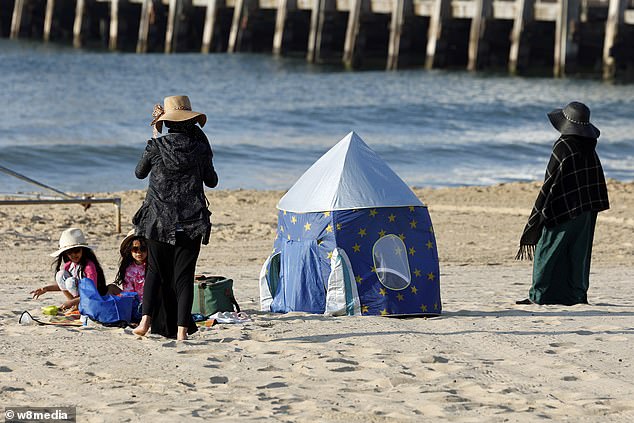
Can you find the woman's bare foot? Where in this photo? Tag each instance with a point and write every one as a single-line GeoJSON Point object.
{"type": "Point", "coordinates": [181, 335]}
{"type": "Point", "coordinates": [143, 327]}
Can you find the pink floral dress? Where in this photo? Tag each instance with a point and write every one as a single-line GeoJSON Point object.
{"type": "Point", "coordinates": [135, 279]}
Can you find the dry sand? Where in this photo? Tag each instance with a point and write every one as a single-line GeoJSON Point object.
{"type": "Point", "coordinates": [485, 359]}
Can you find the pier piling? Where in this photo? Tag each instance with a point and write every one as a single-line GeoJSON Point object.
{"type": "Point", "coordinates": [616, 10]}
{"type": "Point", "coordinates": [566, 47]}
{"type": "Point", "coordinates": [78, 24]}
{"type": "Point", "coordinates": [523, 16]}
{"type": "Point", "coordinates": [396, 29]}
{"type": "Point", "coordinates": [210, 25]}
{"type": "Point", "coordinates": [478, 22]}
{"type": "Point", "coordinates": [280, 21]}
{"type": "Point", "coordinates": [16, 21]}
{"type": "Point", "coordinates": [313, 39]}
{"type": "Point", "coordinates": [352, 32]}
{"type": "Point", "coordinates": [440, 12]}
{"type": "Point", "coordinates": [48, 19]}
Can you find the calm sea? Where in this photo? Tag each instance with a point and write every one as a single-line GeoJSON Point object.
{"type": "Point", "coordinates": [78, 120]}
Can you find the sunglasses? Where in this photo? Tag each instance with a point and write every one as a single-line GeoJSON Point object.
{"type": "Point", "coordinates": [141, 249]}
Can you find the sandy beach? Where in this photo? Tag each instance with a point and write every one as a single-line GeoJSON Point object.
{"type": "Point", "coordinates": [484, 359]}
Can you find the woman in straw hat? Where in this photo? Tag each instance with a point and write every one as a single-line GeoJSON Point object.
{"type": "Point", "coordinates": [174, 218]}
{"type": "Point", "coordinates": [560, 229]}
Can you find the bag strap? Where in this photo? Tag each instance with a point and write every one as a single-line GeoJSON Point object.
{"type": "Point", "coordinates": [201, 298]}
{"type": "Point", "coordinates": [232, 298]}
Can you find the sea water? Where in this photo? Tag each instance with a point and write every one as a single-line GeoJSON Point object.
{"type": "Point", "coordinates": [78, 120]}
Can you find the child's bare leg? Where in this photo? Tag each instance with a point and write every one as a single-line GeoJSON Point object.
{"type": "Point", "coordinates": [182, 333]}
{"type": "Point", "coordinates": [144, 326]}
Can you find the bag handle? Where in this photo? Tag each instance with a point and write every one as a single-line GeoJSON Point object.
{"type": "Point", "coordinates": [229, 293]}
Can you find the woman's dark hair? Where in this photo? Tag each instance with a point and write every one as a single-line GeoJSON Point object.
{"type": "Point", "coordinates": [184, 125]}
{"type": "Point", "coordinates": [126, 258]}
{"type": "Point", "coordinates": [86, 255]}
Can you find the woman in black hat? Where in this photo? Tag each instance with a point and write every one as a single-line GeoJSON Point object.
{"type": "Point", "coordinates": [560, 229]}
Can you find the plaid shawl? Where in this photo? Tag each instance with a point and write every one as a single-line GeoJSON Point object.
{"type": "Point", "coordinates": [574, 183]}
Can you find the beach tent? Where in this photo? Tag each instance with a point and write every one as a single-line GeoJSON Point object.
{"type": "Point", "coordinates": [352, 239]}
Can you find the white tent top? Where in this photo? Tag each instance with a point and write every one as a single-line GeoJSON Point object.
{"type": "Point", "coordinates": [349, 176]}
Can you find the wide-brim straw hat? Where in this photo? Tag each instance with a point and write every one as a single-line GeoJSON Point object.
{"type": "Point", "coordinates": [574, 119]}
{"type": "Point", "coordinates": [176, 108]}
{"type": "Point", "coordinates": [71, 238]}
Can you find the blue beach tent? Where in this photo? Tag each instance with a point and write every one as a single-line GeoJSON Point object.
{"type": "Point", "coordinates": [352, 239]}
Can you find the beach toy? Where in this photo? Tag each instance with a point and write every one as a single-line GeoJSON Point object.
{"type": "Point", "coordinates": [50, 310]}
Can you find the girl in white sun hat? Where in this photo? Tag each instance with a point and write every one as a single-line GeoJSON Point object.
{"type": "Point", "coordinates": [74, 260]}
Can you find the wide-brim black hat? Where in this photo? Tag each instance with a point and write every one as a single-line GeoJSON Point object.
{"type": "Point", "coordinates": [574, 119]}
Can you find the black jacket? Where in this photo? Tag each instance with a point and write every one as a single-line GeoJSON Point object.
{"type": "Point", "coordinates": [178, 164]}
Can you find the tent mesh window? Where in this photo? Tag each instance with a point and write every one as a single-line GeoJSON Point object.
{"type": "Point", "coordinates": [391, 263]}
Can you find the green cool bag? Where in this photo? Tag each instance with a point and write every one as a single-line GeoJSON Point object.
{"type": "Point", "coordinates": [213, 294]}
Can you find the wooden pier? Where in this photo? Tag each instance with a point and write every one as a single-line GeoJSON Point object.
{"type": "Point", "coordinates": [520, 36]}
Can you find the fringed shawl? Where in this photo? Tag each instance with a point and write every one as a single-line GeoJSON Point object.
{"type": "Point", "coordinates": [574, 183]}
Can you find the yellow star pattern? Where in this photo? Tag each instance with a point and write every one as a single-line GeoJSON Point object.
{"type": "Point", "coordinates": [356, 248]}
{"type": "Point", "coordinates": [417, 273]}
{"type": "Point", "coordinates": [382, 233]}
{"type": "Point", "coordinates": [411, 209]}
{"type": "Point", "coordinates": [431, 229]}
{"type": "Point", "coordinates": [384, 312]}
{"type": "Point", "coordinates": [284, 212]}
{"type": "Point", "coordinates": [289, 236]}
{"type": "Point", "coordinates": [414, 290]}
{"type": "Point", "coordinates": [412, 251]}
{"type": "Point", "coordinates": [400, 297]}
{"type": "Point", "coordinates": [326, 214]}
{"type": "Point", "coordinates": [307, 227]}
{"type": "Point", "coordinates": [423, 307]}
{"type": "Point", "coordinates": [362, 232]}
{"type": "Point", "coordinates": [373, 212]}
{"type": "Point", "coordinates": [413, 224]}
{"type": "Point", "coordinates": [359, 279]}
{"type": "Point", "coordinates": [281, 228]}
{"type": "Point", "coordinates": [329, 255]}
{"type": "Point", "coordinates": [435, 306]}
{"type": "Point", "coordinates": [391, 217]}
{"type": "Point", "coordinates": [402, 236]}
{"type": "Point", "coordinates": [329, 228]}
{"type": "Point", "coordinates": [430, 245]}
{"type": "Point", "coordinates": [431, 276]}
{"type": "Point", "coordinates": [364, 309]}
{"type": "Point", "coordinates": [338, 226]}
{"type": "Point", "coordinates": [382, 291]}
{"type": "Point", "coordinates": [293, 219]}
{"type": "Point", "coordinates": [373, 269]}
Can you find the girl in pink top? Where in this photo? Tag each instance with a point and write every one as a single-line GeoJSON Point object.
{"type": "Point", "coordinates": [131, 273]}
{"type": "Point", "coordinates": [74, 261]}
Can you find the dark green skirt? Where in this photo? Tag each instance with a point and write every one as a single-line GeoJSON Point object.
{"type": "Point", "coordinates": [561, 267]}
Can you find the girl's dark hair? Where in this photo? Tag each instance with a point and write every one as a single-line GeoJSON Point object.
{"type": "Point", "coordinates": [86, 255]}
{"type": "Point", "coordinates": [126, 258]}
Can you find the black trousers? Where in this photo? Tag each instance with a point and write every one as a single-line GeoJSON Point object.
{"type": "Point", "coordinates": [168, 292]}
